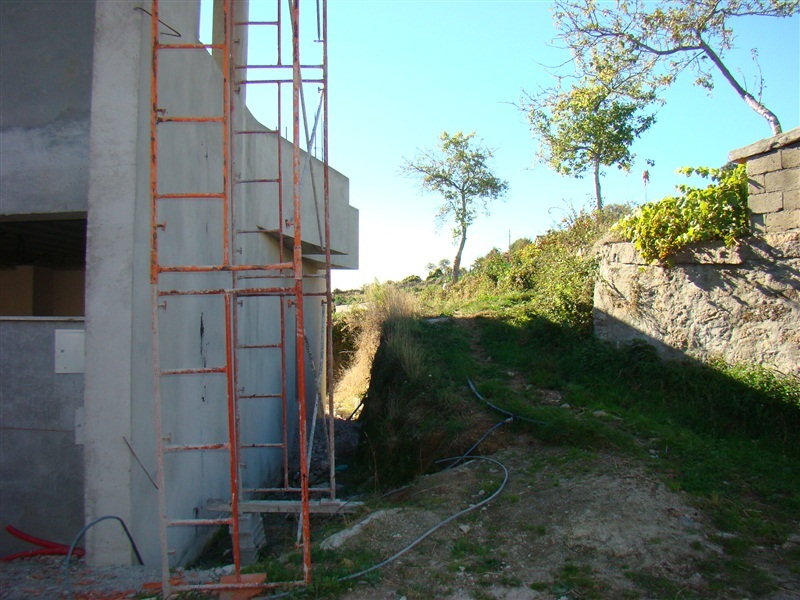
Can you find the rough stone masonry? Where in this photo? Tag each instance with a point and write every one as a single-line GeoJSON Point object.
{"type": "Point", "coordinates": [741, 304]}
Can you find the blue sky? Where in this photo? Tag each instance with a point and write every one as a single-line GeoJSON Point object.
{"type": "Point", "coordinates": [403, 71]}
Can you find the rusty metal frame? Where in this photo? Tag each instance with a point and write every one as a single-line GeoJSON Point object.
{"type": "Point", "coordinates": [286, 268]}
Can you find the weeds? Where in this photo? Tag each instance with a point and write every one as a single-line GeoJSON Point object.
{"type": "Point", "coordinates": [658, 586]}
{"type": "Point", "coordinates": [414, 412]}
{"type": "Point", "coordinates": [579, 580]}
{"type": "Point", "coordinates": [363, 327]}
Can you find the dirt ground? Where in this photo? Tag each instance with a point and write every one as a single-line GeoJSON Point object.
{"type": "Point", "coordinates": [567, 525]}
{"type": "Point", "coordinates": [592, 526]}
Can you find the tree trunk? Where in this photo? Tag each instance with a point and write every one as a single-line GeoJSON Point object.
{"type": "Point", "coordinates": [457, 261]}
{"type": "Point", "coordinates": [762, 110]}
{"type": "Point", "coordinates": [597, 194]}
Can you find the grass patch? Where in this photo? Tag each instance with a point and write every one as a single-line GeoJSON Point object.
{"type": "Point", "coordinates": [656, 586]}
{"type": "Point", "coordinates": [724, 572]}
{"type": "Point", "coordinates": [329, 569]}
{"type": "Point", "coordinates": [357, 336]}
{"type": "Point", "coordinates": [726, 434]}
{"type": "Point", "coordinates": [580, 581]}
{"type": "Point", "coordinates": [415, 410]}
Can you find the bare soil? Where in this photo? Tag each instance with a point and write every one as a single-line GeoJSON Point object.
{"type": "Point", "coordinates": [566, 526]}
{"type": "Point", "coordinates": [592, 526]}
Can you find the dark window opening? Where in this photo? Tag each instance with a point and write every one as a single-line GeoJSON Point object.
{"type": "Point", "coordinates": [42, 267]}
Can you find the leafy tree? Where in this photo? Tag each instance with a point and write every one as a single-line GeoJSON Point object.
{"type": "Point", "coordinates": [460, 173]}
{"type": "Point", "coordinates": [586, 128]}
{"type": "Point", "coordinates": [653, 42]}
{"type": "Point", "coordinates": [440, 270]}
{"type": "Point", "coordinates": [519, 244]}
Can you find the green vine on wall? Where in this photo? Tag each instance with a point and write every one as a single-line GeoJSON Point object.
{"type": "Point", "coordinates": [716, 212]}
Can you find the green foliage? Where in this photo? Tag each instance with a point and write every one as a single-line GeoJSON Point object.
{"type": "Point", "coordinates": [415, 384]}
{"type": "Point", "coordinates": [716, 212]}
{"type": "Point", "coordinates": [580, 581]}
{"type": "Point", "coordinates": [520, 244]}
{"type": "Point", "coordinates": [586, 128]}
{"type": "Point", "coordinates": [552, 276]}
{"type": "Point", "coordinates": [460, 173]}
{"type": "Point", "coordinates": [411, 280]}
{"type": "Point", "coordinates": [651, 43]}
{"type": "Point", "coordinates": [728, 434]}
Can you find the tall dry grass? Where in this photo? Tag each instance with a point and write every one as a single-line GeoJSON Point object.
{"type": "Point", "coordinates": [383, 303]}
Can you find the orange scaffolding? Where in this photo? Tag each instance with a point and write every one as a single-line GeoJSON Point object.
{"type": "Point", "coordinates": [235, 280]}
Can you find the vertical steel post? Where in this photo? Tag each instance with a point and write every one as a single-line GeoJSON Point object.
{"type": "Point", "coordinates": [298, 286]}
{"type": "Point", "coordinates": [230, 323]}
{"type": "Point", "coordinates": [227, 110]}
{"type": "Point", "coordinates": [284, 393]}
{"type": "Point", "coordinates": [154, 302]}
{"type": "Point", "coordinates": [328, 288]}
{"type": "Point", "coordinates": [233, 436]}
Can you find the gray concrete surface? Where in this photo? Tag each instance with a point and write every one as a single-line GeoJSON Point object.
{"type": "Point", "coordinates": [41, 463]}
{"type": "Point", "coordinates": [44, 108]}
{"type": "Point", "coordinates": [119, 396]}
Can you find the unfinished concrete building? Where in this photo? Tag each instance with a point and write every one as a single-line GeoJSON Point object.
{"type": "Point", "coordinates": [165, 267]}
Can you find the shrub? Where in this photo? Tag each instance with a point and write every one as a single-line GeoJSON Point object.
{"type": "Point", "coordinates": [716, 212]}
{"type": "Point", "coordinates": [552, 276]}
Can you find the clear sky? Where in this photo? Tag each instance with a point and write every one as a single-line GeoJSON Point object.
{"type": "Point", "coordinates": [403, 71]}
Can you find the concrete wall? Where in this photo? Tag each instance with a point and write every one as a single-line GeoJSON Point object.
{"type": "Point", "coordinates": [741, 304]}
{"type": "Point", "coordinates": [61, 63]}
{"type": "Point", "coordinates": [45, 77]}
{"type": "Point", "coordinates": [119, 376]}
{"type": "Point", "coordinates": [44, 107]}
{"type": "Point", "coordinates": [41, 460]}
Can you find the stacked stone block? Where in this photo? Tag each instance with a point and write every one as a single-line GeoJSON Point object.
{"type": "Point", "coordinates": [773, 171]}
{"type": "Point", "coordinates": [741, 304]}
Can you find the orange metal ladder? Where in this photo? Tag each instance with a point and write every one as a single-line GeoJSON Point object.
{"type": "Point", "coordinates": [234, 285]}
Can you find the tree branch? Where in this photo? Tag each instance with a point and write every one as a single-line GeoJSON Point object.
{"type": "Point", "coordinates": [743, 93]}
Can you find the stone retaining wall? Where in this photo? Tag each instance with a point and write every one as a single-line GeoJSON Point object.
{"type": "Point", "coordinates": [740, 304]}
{"type": "Point", "coordinates": [773, 171]}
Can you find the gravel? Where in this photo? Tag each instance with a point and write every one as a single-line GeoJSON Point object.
{"type": "Point", "coordinates": [45, 577]}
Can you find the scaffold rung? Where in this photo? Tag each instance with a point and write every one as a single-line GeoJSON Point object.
{"type": "Point", "coordinates": [160, 46]}
{"type": "Point", "coordinates": [197, 447]}
{"type": "Point", "coordinates": [198, 522]}
{"type": "Point", "coordinates": [319, 507]}
{"type": "Point", "coordinates": [222, 268]}
{"type": "Point", "coordinates": [242, 585]}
